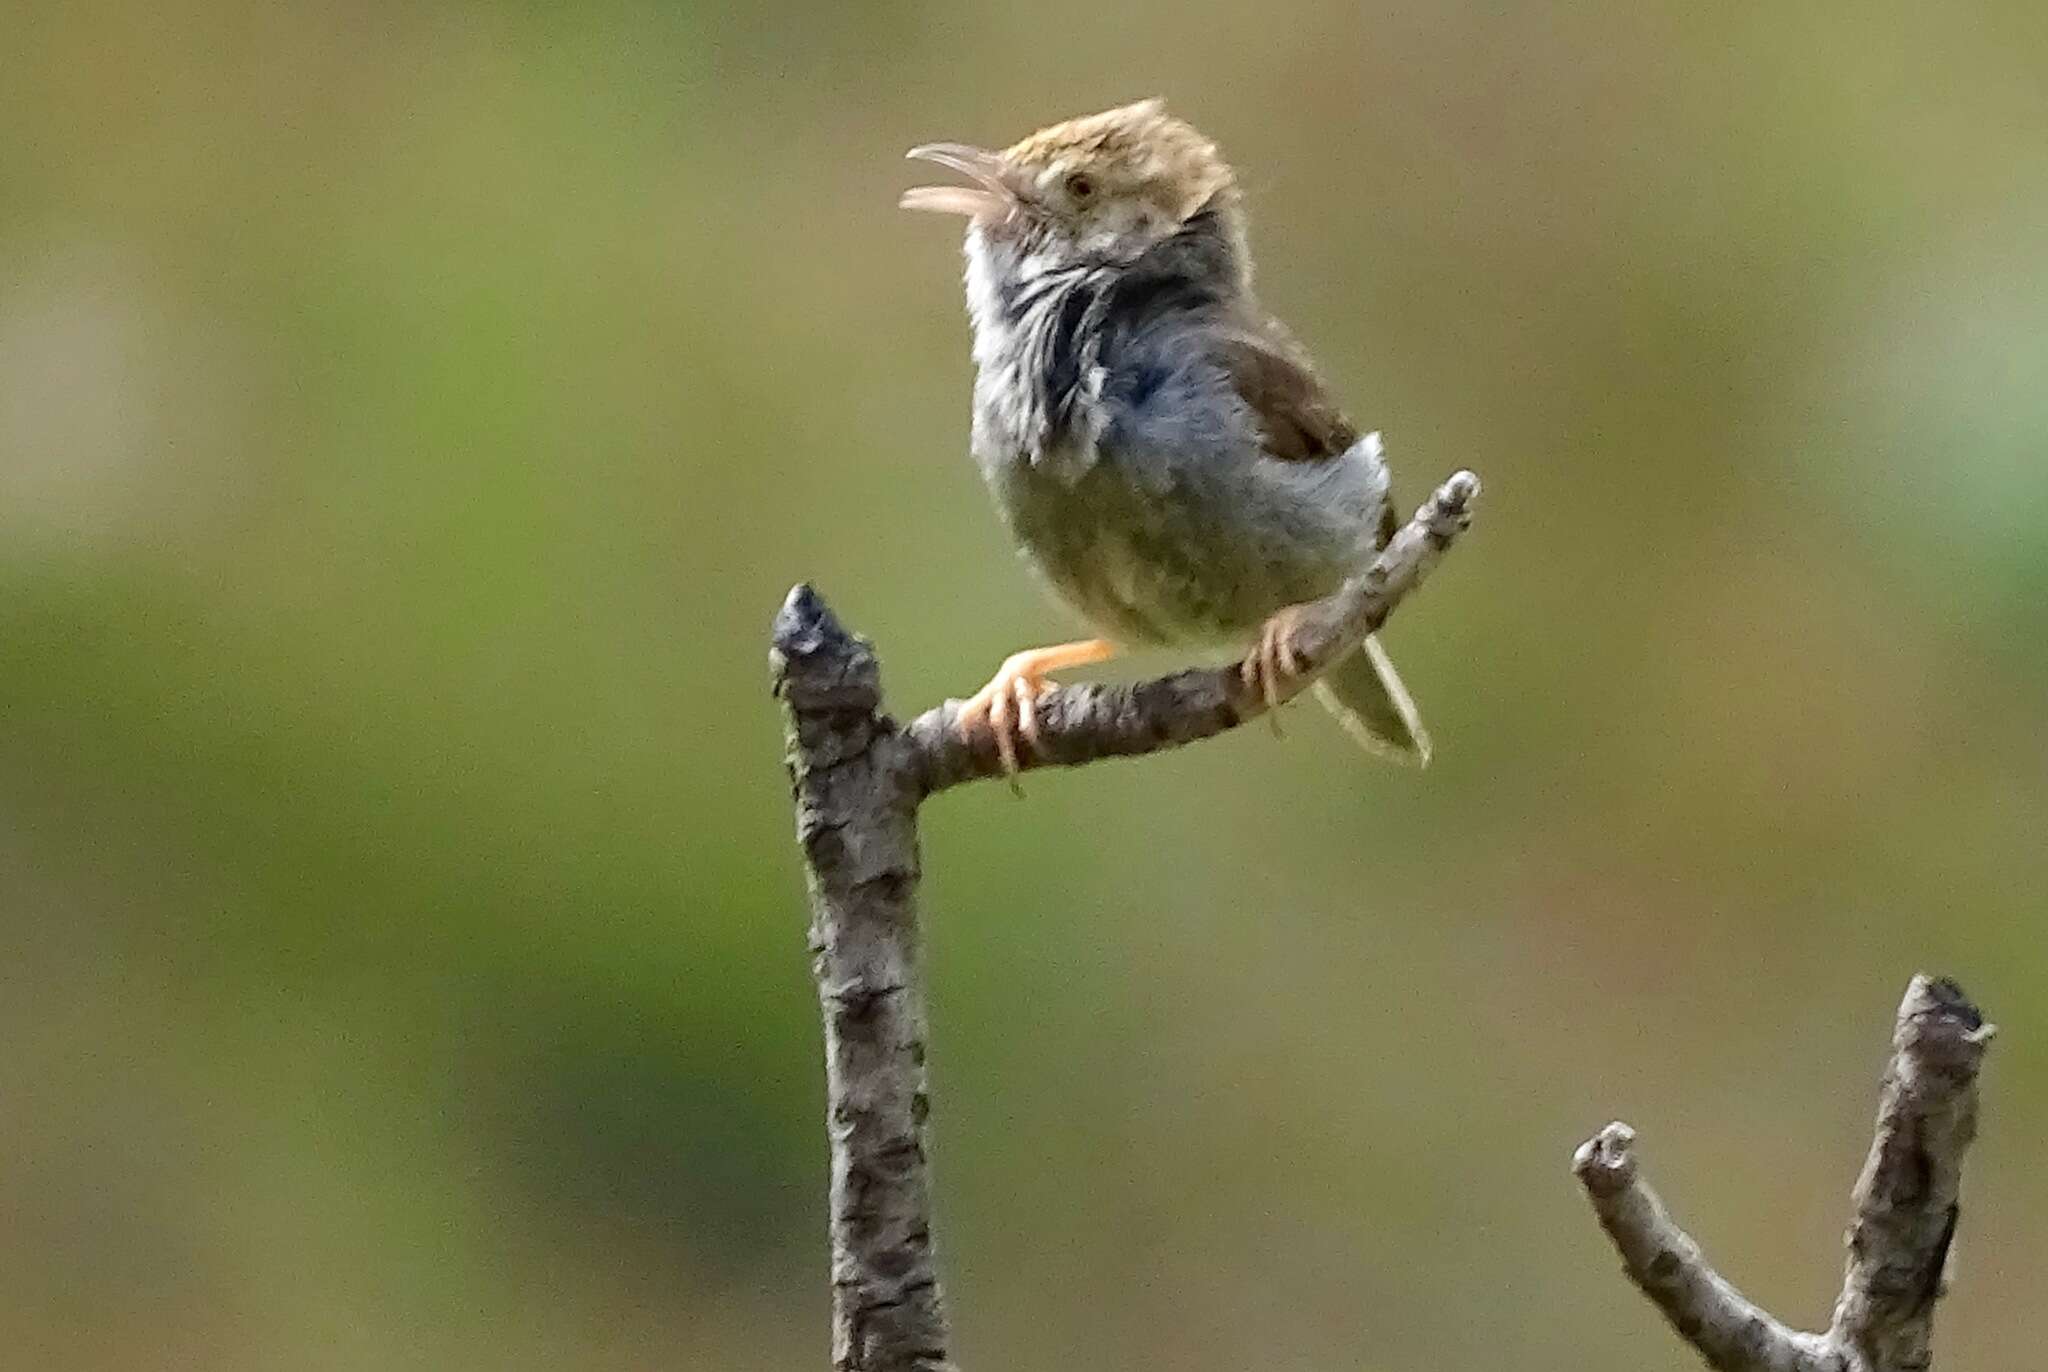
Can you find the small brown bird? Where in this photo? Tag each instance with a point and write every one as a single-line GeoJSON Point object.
{"type": "Point", "coordinates": [1159, 447]}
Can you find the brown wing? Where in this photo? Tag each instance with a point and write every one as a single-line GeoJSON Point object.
{"type": "Point", "coordinates": [1300, 421]}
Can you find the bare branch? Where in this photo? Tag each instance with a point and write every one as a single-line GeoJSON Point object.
{"type": "Point", "coordinates": [1906, 1198]}
{"type": "Point", "coordinates": [1085, 723]}
{"type": "Point", "coordinates": [858, 781]}
{"type": "Point", "coordinates": [857, 821]}
{"type": "Point", "coordinates": [1905, 1215]}
{"type": "Point", "coordinates": [1730, 1332]}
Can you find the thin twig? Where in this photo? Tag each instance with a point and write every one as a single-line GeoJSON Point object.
{"type": "Point", "coordinates": [1731, 1332]}
{"type": "Point", "coordinates": [1899, 1237]}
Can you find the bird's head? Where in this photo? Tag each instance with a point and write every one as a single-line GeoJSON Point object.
{"type": "Point", "coordinates": [1101, 188]}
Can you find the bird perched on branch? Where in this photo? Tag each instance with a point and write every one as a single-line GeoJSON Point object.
{"type": "Point", "coordinates": [1158, 446]}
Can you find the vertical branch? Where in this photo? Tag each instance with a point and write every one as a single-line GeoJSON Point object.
{"type": "Point", "coordinates": [856, 819]}
{"type": "Point", "coordinates": [1905, 1201]}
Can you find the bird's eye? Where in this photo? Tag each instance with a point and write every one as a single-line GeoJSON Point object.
{"type": "Point", "coordinates": [1081, 186]}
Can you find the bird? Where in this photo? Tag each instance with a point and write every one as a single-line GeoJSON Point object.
{"type": "Point", "coordinates": [1160, 449]}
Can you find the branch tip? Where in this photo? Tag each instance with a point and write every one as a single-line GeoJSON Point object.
{"type": "Point", "coordinates": [1936, 1005]}
{"type": "Point", "coordinates": [1606, 1162]}
{"type": "Point", "coordinates": [1456, 497]}
{"type": "Point", "coordinates": [805, 624]}
{"type": "Point", "coordinates": [815, 661]}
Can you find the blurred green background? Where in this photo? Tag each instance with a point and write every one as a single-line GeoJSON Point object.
{"type": "Point", "coordinates": [411, 416]}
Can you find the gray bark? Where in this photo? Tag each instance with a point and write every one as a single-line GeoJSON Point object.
{"type": "Point", "coordinates": [1899, 1235]}
{"type": "Point", "coordinates": [857, 780]}
{"type": "Point", "coordinates": [856, 819]}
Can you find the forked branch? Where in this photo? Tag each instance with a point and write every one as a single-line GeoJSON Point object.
{"type": "Point", "coordinates": [858, 780]}
{"type": "Point", "coordinates": [1899, 1236]}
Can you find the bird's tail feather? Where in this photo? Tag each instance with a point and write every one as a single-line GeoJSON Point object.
{"type": "Point", "coordinates": [1365, 693]}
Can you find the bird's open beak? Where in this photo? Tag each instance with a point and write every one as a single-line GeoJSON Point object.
{"type": "Point", "coordinates": [989, 198]}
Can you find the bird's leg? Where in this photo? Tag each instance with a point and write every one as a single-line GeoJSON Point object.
{"type": "Point", "coordinates": [1272, 665]}
{"type": "Point", "coordinates": [1009, 703]}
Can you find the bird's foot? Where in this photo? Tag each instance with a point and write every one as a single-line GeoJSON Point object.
{"type": "Point", "coordinates": [1273, 667]}
{"type": "Point", "coordinates": [1008, 705]}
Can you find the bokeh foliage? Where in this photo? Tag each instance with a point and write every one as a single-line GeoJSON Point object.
{"type": "Point", "coordinates": [411, 415]}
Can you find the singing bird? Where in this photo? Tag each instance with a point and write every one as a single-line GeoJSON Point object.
{"type": "Point", "coordinates": [1158, 446]}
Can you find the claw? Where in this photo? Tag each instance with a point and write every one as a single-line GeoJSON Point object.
{"type": "Point", "coordinates": [1027, 691]}
{"type": "Point", "coordinates": [1009, 703]}
{"type": "Point", "coordinates": [1272, 666]}
{"type": "Point", "coordinates": [999, 725]}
